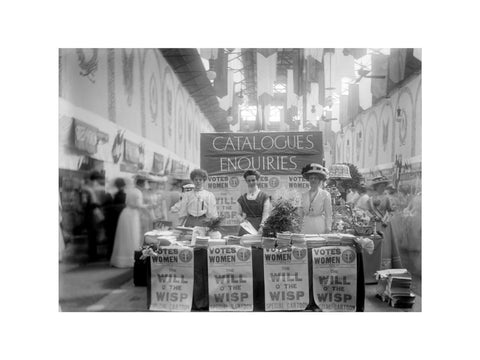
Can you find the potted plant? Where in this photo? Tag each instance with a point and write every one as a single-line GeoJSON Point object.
{"type": "Point", "coordinates": [213, 227]}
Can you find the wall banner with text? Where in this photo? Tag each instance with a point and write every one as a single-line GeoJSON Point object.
{"type": "Point", "coordinates": [286, 278]}
{"type": "Point", "coordinates": [230, 278]}
{"type": "Point", "coordinates": [335, 278]}
{"type": "Point", "coordinates": [172, 279]}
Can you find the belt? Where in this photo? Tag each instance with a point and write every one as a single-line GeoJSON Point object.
{"type": "Point", "coordinates": [197, 217]}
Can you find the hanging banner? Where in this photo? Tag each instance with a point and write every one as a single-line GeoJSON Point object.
{"type": "Point", "coordinates": [85, 137]}
{"type": "Point", "coordinates": [157, 165]}
{"type": "Point", "coordinates": [172, 279]}
{"type": "Point", "coordinates": [286, 278]}
{"type": "Point", "coordinates": [230, 278]}
{"type": "Point", "coordinates": [132, 152]}
{"type": "Point", "coordinates": [335, 278]}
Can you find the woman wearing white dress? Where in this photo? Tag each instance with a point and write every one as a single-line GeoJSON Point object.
{"type": "Point", "coordinates": [128, 236]}
{"type": "Point", "coordinates": [316, 206]}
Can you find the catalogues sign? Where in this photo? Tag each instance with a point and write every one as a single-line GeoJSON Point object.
{"type": "Point", "coordinates": [286, 278]}
{"type": "Point", "coordinates": [172, 279]}
{"type": "Point", "coordinates": [270, 152]}
{"type": "Point", "coordinates": [335, 278]}
{"type": "Point", "coordinates": [230, 284]}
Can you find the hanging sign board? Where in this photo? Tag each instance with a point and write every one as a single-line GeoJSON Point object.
{"type": "Point", "coordinates": [270, 152]}
{"type": "Point", "coordinates": [230, 278]}
{"type": "Point", "coordinates": [278, 156]}
{"type": "Point", "coordinates": [85, 137]}
{"type": "Point", "coordinates": [286, 278]}
{"type": "Point", "coordinates": [335, 278]}
{"type": "Point", "coordinates": [172, 279]}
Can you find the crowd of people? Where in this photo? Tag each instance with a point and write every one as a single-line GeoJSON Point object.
{"type": "Point", "coordinates": [118, 214]}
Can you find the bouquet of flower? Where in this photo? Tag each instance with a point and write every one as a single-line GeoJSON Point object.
{"type": "Point", "coordinates": [363, 222]}
{"type": "Point", "coordinates": [214, 223]}
{"type": "Point", "coordinates": [342, 218]}
{"type": "Point", "coordinates": [284, 216]}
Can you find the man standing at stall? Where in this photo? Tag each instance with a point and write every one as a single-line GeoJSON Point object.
{"type": "Point", "coordinates": [198, 205]}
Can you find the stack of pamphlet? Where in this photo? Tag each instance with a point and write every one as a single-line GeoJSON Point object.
{"type": "Point", "coordinates": [268, 242]}
{"type": "Point", "coordinates": [232, 240]}
{"type": "Point", "coordinates": [315, 240]}
{"type": "Point", "coordinates": [298, 240]}
{"type": "Point", "coordinates": [284, 239]}
{"type": "Point", "coordinates": [212, 242]}
{"type": "Point", "coordinates": [201, 241]}
{"type": "Point", "coordinates": [394, 287]}
{"type": "Point", "coordinates": [251, 240]}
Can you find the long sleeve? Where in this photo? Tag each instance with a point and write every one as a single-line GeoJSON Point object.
{"type": "Point", "coordinates": [266, 210]}
{"type": "Point", "coordinates": [211, 206]}
{"type": "Point", "coordinates": [182, 212]}
{"type": "Point", "coordinates": [328, 212]}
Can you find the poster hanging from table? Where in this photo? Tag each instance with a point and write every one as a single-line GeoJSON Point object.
{"type": "Point", "coordinates": [286, 278]}
{"type": "Point", "coordinates": [172, 279]}
{"type": "Point", "coordinates": [335, 278]}
{"type": "Point", "coordinates": [230, 278]}
{"type": "Point", "coordinates": [278, 156]}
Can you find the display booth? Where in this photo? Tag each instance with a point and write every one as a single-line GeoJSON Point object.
{"type": "Point", "coordinates": [326, 276]}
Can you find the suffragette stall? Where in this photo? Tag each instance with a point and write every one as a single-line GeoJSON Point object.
{"type": "Point", "coordinates": [322, 273]}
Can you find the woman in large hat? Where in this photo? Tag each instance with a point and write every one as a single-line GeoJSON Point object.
{"type": "Point", "coordinates": [316, 206]}
{"type": "Point", "coordinates": [380, 205]}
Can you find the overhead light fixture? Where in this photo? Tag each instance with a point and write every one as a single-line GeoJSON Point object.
{"type": "Point", "coordinates": [211, 74]}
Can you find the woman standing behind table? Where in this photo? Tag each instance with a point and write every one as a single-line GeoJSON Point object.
{"type": "Point", "coordinates": [316, 208]}
{"type": "Point", "coordinates": [254, 205]}
{"type": "Point", "coordinates": [197, 205]}
{"type": "Point", "coordinates": [129, 236]}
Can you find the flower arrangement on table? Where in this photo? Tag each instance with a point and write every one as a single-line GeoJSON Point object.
{"type": "Point", "coordinates": [284, 215]}
{"type": "Point", "coordinates": [342, 219]}
{"type": "Point", "coordinates": [213, 226]}
{"type": "Point", "coordinates": [363, 222]}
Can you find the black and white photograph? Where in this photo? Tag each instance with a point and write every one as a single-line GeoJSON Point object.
{"type": "Point", "coordinates": [255, 179]}
{"type": "Point", "coordinates": [240, 179]}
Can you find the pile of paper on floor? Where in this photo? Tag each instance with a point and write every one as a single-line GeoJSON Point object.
{"type": "Point", "coordinates": [284, 239]}
{"type": "Point", "coordinates": [251, 240]}
{"type": "Point", "coordinates": [394, 286]}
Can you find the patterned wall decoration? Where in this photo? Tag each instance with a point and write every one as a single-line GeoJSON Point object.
{"type": "Point", "coordinates": [386, 125]}
{"type": "Point", "coordinates": [153, 99]}
{"type": "Point", "coordinates": [180, 120]}
{"type": "Point", "coordinates": [88, 64]}
{"type": "Point", "coordinates": [417, 136]}
{"type": "Point", "coordinates": [189, 130]}
{"type": "Point", "coordinates": [127, 67]}
{"type": "Point", "coordinates": [359, 141]}
{"type": "Point", "coordinates": [152, 78]}
{"type": "Point", "coordinates": [348, 141]}
{"type": "Point", "coordinates": [404, 116]}
{"type": "Point", "coordinates": [371, 139]}
{"type": "Point", "coordinates": [168, 109]}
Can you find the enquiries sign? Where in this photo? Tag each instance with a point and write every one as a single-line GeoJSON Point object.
{"type": "Point", "coordinates": [270, 152]}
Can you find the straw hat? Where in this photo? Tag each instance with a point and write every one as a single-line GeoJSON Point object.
{"type": "Point", "coordinates": [314, 169]}
{"type": "Point", "coordinates": [379, 180]}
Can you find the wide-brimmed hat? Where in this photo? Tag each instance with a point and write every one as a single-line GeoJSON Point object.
{"type": "Point", "coordinates": [314, 169]}
{"type": "Point", "coordinates": [379, 180]}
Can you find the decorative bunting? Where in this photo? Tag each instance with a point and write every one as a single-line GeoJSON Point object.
{"type": "Point", "coordinates": [266, 75]}
{"type": "Point", "coordinates": [220, 83]}
{"type": "Point", "coordinates": [379, 67]}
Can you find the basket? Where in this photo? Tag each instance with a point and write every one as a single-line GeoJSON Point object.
{"type": "Point", "coordinates": [363, 230]}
